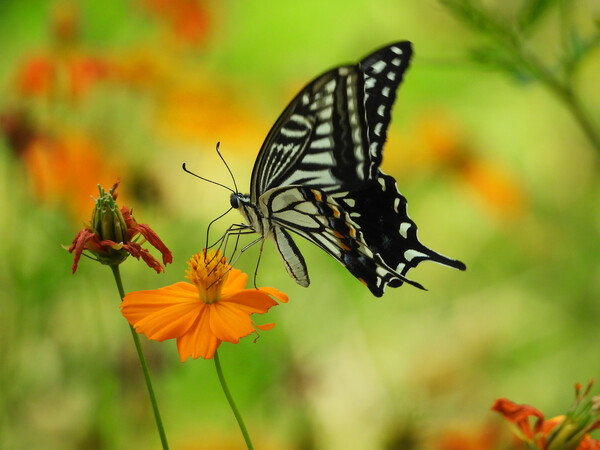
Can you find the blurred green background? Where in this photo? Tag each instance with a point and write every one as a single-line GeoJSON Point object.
{"type": "Point", "coordinates": [496, 170]}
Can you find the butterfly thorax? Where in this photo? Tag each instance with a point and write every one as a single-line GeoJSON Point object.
{"type": "Point", "coordinates": [250, 212]}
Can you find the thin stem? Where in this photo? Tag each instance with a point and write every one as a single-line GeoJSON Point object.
{"type": "Point", "coordinates": [234, 408]}
{"type": "Point", "coordinates": [564, 91]}
{"type": "Point", "coordinates": [142, 358]}
{"type": "Point", "coordinates": [574, 104]}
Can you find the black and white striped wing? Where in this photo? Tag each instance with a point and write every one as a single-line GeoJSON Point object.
{"type": "Point", "coordinates": [331, 135]}
{"type": "Point", "coordinates": [367, 231]}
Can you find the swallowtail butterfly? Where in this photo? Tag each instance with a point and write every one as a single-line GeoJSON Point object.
{"type": "Point", "coordinates": [317, 175]}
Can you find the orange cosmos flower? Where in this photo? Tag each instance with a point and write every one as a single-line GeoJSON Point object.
{"type": "Point", "coordinates": [213, 308]}
{"type": "Point", "coordinates": [112, 234]}
{"type": "Point", "coordinates": [566, 432]}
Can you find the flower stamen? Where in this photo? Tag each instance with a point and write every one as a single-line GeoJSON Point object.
{"type": "Point", "coordinates": [208, 271]}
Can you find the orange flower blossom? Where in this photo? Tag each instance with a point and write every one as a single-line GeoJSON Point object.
{"type": "Point", "coordinates": [111, 233]}
{"type": "Point", "coordinates": [213, 308]}
{"type": "Point", "coordinates": [566, 432]}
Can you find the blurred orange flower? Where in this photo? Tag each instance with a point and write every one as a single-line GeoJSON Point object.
{"type": "Point", "coordinates": [37, 76]}
{"type": "Point", "coordinates": [437, 142]}
{"type": "Point", "coordinates": [215, 307]}
{"type": "Point", "coordinates": [111, 235]}
{"type": "Point", "coordinates": [478, 438]}
{"type": "Point", "coordinates": [63, 169]}
{"type": "Point", "coordinates": [187, 19]}
{"type": "Point", "coordinates": [567, 432]}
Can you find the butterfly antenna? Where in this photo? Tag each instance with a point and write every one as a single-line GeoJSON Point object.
{"type": "Point", "coordinates": [206, 179]}
{"type": "Point", "coordinates": [228, 169]}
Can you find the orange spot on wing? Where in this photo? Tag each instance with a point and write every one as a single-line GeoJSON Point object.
{"type": "Point", "coordinates": [344, 246]}
{"type": "Point", "coordinates": [352, 232]}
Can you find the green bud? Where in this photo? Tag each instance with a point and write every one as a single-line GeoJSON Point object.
{"type": "Point", "coordinates": [107, 219]}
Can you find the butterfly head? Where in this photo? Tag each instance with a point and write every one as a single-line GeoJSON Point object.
{"type": "Point", "coordinates": [237, 199]}
{"type": "Point", "coordinates": [247, 209]}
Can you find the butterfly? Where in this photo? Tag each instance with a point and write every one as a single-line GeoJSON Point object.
{"type": "Point", "coordinates": [317, 175]}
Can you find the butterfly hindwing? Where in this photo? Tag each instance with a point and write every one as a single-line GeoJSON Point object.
{"type": "Point", "coordinates": [380, 213]}
{"type": "Point", "coordinates": [293, 259]}
{"type": "Point", "coordinates": [320, 218]}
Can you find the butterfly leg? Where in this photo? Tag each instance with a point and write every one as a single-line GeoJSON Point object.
{"type": "Point", "coordinates": [258, 263]}
{"type": "Point", "coordinates": [210, 224]}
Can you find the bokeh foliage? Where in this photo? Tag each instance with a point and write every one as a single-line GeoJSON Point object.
{"type": "Point", "coordinates": [498, 171]}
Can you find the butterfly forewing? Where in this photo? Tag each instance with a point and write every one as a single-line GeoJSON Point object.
{"type": "Point", "coordinates": [331, 134]}
{"type": "Point", "coordinates": [383, 72]}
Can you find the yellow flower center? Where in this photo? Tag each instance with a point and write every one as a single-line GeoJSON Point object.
{"type": "Point", "coordinates": [208, 272]}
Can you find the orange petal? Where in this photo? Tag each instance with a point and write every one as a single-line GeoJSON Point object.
{"type": "Point", "coordinates": [199, 342]}
{"type": "Point", "coordinates": [236, 281]}
{"type": "Point", "coordinates": [265, 327]}
{"type": "Point", "coordinates": [250, 301]}
{"type": "Point", "coordinates": [159, 298]}
{"type": "Point", "coordinates": [275, 293]}
{"type": "Point", "coordinates": [519, 415]}
{"type": "Point", "coordinates": [171, 322]}
{"type": "Point", "coordinates": [78, 245]}
{"type": "Point", "coordinates": [229, 323]}
{"type": "Point", "coordinates": [162, 313]}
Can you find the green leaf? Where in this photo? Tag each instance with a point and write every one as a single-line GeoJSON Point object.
{"type": "Point", "coordinates": [532, 12]}
{"type": "Point", "coordinates": [502, 60]}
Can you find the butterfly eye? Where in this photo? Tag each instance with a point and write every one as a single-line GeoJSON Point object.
{"type": "Point", "coordinates": [234, 201]}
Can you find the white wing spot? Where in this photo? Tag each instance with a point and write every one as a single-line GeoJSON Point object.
{"type": "Point", "coordinates": [400, 267]}
{"type": "Point", "coordinates": [373, 149]}
{"type": "Point", "coordinates": [350, 202]}
{"type": "Point", "coordinates": [379, 66]}
{"type": "Point", "coordinates": [381, 110]}
{"type": "Point", "coordinates": [324, 128]}
{"type": "Point", "coordinates": [396, 61]}
{"type": "Point", "coordinates": [396, 50]}
{"type": "Point", "coordinates": [330, 87]}
{"type": "Point", "coordinates": [377, 129]}
{"type": "Point", "coordinates": [322, 158]}
{"type": "Point", "coordinates": [322, 143]}
{"type": "Point", "coordinates": [325, 113]}
{"type": "Point", "coordinates": [404, 227]}
{"type": "Point", "coordinates": [410, 254]}
{"type": "Point", "coordinates": [385, 91]}
{"type": "Point", "coordinates": [391, 76]}
{"type": "Point", "coordinates": [396, 204]}
{"type": "Point", "coordinates": [382, 183]}
{"type": "Point", "coordinates": [292, 133]}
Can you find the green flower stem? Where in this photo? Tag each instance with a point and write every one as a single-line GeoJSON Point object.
{"type": "Point", "coordinates": [234, 408]}
{"type": "Point", "coordinates": [140, 352]}
{"type": "Point", "coordinates": [563, 90]}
